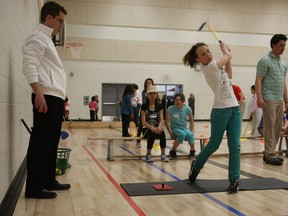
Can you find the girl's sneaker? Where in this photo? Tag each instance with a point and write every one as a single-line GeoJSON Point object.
{"type": "Point", "coordinates": [193, 173]}
{"type": "Point", "coordinates": [149, 158]}
{"type": "Point", "coordinates": [164, 158]}
{"type": "Point", "coordinates": [233, 187]}
{"type": "Point", "coordinates": [192, 153]}
{"type": "Point", "coordinates": [172, 154]}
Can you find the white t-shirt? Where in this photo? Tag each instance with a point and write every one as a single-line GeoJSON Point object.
{"type": "Point", "coordinates": [221, 85]}
{"type": "Point", "coordinates": [139, 96]}
{"type": "Point", "coordinates": [134, 101]}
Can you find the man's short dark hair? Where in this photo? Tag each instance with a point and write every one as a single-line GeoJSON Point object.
{"type": "Point", "coordinates": [51, 8]}
{"type": "Point", "coordinates": [276, 38]}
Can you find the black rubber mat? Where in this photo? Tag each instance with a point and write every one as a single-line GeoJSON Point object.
{"type": "Point", "coordinates": [202, 186]}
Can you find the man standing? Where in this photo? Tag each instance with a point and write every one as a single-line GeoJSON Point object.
{"type": "Point", "coordinates": [44, 72]}
{"type": "Point", "coordinates": [271, 90]}
{"type": "Point", "coordinates": [136, 104]}
{"type": "Point", "coordinates": [191, 103]}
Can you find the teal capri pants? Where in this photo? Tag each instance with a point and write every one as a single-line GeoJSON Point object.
{"type": "Point", "coordinates": [183, 134]}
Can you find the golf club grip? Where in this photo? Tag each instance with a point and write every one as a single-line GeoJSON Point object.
{"type": "Point", "coordinates": [201, 27]}
{"type": "Point", "coordinates": [211, 29]}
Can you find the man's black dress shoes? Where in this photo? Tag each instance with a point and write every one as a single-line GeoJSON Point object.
{"type": "Point", "coordinates": [44, 194]}
{"type": "Point", "coordinates": [58, 186]}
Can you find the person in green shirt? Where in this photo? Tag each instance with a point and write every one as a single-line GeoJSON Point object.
{"type": "Point", "coordinates": [272, 96]}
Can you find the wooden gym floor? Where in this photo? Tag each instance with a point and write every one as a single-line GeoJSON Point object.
{"type": "Point", "coordinates": [96, 182]}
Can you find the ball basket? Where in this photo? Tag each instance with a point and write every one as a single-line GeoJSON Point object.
{"type": "Point", "coordinates": [62, 164]}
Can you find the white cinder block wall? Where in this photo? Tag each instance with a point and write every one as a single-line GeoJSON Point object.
{"type": "Point", "coordinates": [18, 18]}
{"type": "Point", "coordinates": [126, 41]}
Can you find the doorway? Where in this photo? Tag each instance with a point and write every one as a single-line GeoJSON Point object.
{"type": "Point", "coordinates": [169, 90]}
{"type": "Point", "coordinates": [111, 96]}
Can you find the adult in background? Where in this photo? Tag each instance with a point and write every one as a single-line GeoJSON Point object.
{"type": "Point", "coordinates": [136, 104]}
{"type": "Point", "coordinates": [126, 110]}
{"type": "Point", "coordinates": [148, 82]}
{"type": "Point", "coordinates": [138, 95]}
{"type": "Point", "coordinates": [97, 108]}
{"type": "Point", "coordinates": [164, 105]}
{"type": "Point", "coordinates": [191, 103]}
{"type": "Point", "coordinates": [255, 114]}
{"type": "Point", "coordinates": [272, 95]}
{"type": "Point", "coordinates": [170, 101]}
{"type": "Point", "coordinates": [44, 72]}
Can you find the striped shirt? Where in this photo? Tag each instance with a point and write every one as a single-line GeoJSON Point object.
{"type": "Point", "coordinates": [274, 70]}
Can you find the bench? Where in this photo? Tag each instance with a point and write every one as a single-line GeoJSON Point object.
{"type": "Point", "coordinates": [202, 142]}
{"type": "Point", "coordinates": [110, 154]}
{"type": "Point", "coordinates": [90, 125]}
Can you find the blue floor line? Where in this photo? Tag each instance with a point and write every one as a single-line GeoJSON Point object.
{"type": "Point", "coordinates": [236, 212]}
{"type": "Point", "coordinates": [151, 164]}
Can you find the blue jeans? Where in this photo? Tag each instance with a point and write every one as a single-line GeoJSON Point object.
{"type": "Point", "coordinates": [228, 119]}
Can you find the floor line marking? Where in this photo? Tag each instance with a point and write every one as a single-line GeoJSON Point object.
{"type": "Point", "coordinates": [137, 209]}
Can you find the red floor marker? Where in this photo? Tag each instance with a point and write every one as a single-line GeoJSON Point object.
{"type": "Point", "coordinates": [162, 187]}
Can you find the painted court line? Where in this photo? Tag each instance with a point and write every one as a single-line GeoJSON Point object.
{"type": "Point", "coordinates": [151, 164]}
{"type": "Point", "coordinates": [116, 185]}
{"type": "Point", "coordinates": [233, 210]}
